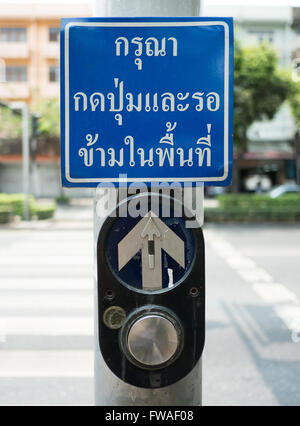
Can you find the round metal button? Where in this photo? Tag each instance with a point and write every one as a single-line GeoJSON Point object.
{"type": "Point", "coordinates": [152, 340]}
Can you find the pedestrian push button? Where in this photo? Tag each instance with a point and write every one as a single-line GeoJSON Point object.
{"type": "Point", "coordinates": [152, 341]}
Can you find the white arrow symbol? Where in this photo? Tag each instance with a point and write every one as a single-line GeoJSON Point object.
{"type": "Point", "coordinates": [151, 236]}
{"type": "Point", "coordinates": [151, 230]}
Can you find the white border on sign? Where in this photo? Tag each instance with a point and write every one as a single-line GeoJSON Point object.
{"type": "Point", "coordinates": [147, 24]}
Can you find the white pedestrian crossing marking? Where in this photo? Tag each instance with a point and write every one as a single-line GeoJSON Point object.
{"type": "Point", "coordinates": [50, 284]}
{"type": "Point", "coordinates": [285, 303]}
{"type": "Point", "coordinates": [46, 326]}
{"type": "Point", "coordinates": [54, 364]}
{"type": "Point", "coordinates": [46, 300]}
{"type": "Point", "coordinates": [290, 315]}
{"type": "Point", "coordinates": [34, 305]}
{"type": "Point", "coordinates": [43, 260]}
{"type": "Point", "coordinates": [274, 293]}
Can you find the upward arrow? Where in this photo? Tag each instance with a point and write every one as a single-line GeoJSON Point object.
{"type": "Point", "coordinates": [151, 235]}
{"type": "Point", "coordinates": [151, 229]}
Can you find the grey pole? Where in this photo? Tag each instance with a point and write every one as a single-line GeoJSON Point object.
{"type": "Point", "coordinates": [26, 159]}
{"type": "Point", "coordinates": [2, 71]}
{"type": "Point", "coordinates": [21, 108]}
{"type": "Point", "coordinates": [109, 390]}
{"type": "Point", "coordinates": [115, 8]}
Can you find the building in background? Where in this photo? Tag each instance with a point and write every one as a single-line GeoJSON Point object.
{"type": "Point", "coordinates": [270, 149]}
{"type": "Point", "coordinates": [29, 48]}
{"type": "Point", "coordinates": [29, 70]}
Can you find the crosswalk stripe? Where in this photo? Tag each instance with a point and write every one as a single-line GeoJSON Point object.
{"type": "Point", "coordinates": [285, 303]}
{"type": "Point", "coordinates": [43, 260]}
{"type": "Point", "coordinates": [47, 364]}
{"type": "Point", "coordinates": [254, 274]}
{"type": "Point", "coordinates": [39, 312]}
{"type": "Point", "coordinates": [44, 300]}
{"type": "Point", "coordinates": [21, 247]}
{"type": "Point", "coordinates": [290, 315]}
{"type": "Point", "coordinates": [42, 283]}
{"type": "Point", "coordinates": [274, 293]}
{"type": "Point", "coordinates": [45, 326]}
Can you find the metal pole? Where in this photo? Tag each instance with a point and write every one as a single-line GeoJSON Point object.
{"type": "Point", "coordinates": [26, 159]}
{"type": "Point", "coordinates": [117, 8]}
{"type": "Point", "coordinates": [297, 158]}
{"type": "Point", "coordinates": [297, 153]}
{"type": "Point", "coordinates": [109, 390]}
{"type": "Point", "coordinates": [2, 71]}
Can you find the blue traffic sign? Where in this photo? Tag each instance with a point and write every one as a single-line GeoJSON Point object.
{"type": "Point", "coordinates": [150, 99]}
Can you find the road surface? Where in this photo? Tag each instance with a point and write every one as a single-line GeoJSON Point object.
{"type": "Point", "coordinates": [252, 353]}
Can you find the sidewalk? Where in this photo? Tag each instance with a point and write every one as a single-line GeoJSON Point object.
{"type": "Point", "coordinates": [78, 212]}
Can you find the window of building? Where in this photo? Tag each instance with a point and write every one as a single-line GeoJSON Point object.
{"type": "Point", "coordinates": [54, 74]}
{"type": "Point", "coordinates": [15, 73]}
{"type": "Point", "coordinates": [262, 35]}
{"type": "Point", "coordinates": [13, 35]}
{"type": "Point", "coordinates": [54, 34]}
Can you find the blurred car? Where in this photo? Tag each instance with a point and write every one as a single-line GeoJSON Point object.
{"type": "Point", "coordinates": [288, 188]}
{"type": "Point", "coordinates": [213, 191]}
{"type": "Point", "coordinates": [257, 183]}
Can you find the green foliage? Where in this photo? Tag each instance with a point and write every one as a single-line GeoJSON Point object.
{"type": "Point", "coordinates": [49, 123]}
{"type": "Point", "coordinates": [10, 124]}
{"type": "Point", "coordinates": [259, 88]}
{"type": "Point", "coordinates": [5, 217]}
{"type": "Point", "coordinates": [252, 216]}
{"type": "Point", "coordinates": [16, 203]}
{"type": "Point", "coordinates": [294, 101]}
{"type": "Point", "coordinates": [5, 201]}
{"type": "Point", "coordinates": [44, 211]}
{"type": "Point", "coordinates": [258, 201]}
{"type": "Point", "coordinates": [5, 213]}
{"type": "Point", "coordinates": [13, 204]}
{"type": "Point", "coordinates": [63, 199]}
{"type": "Point", "coordinates": [255, 208]}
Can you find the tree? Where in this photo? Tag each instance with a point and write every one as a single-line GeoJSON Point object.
{"type": "Point", "coordinates": [294, 101]}
{"type": "Point", "coordinates": [49, 122]}
{"type": "Point", "coordinates": [260, 88]}
{"type": "Point", "coordinates": [295, 143]}
{"type": "Point", "coordinates": [48, 125]}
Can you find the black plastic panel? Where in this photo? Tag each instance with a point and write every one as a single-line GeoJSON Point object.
{"type": "Point", "coordinates": [186, 300]}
